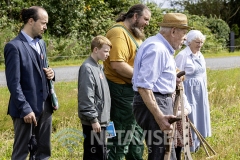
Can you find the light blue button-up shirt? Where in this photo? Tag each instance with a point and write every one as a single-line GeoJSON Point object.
{"type": "Point", "coordinates": [32, 42]}
{"type": "Point", "coordinates": [154, 66]}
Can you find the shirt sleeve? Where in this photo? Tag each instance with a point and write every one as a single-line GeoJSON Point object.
{"type": "Point", "coordinates": [119, 51]}
{"type": "Point", "coordinates": [150, 68]}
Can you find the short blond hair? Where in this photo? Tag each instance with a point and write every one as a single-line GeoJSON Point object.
{"type": "Point", "coordinates": [99, 41]}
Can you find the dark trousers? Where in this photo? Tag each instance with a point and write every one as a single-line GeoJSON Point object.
{"type": "Point", "coordinates": [128, 142]}
{"type": "Point", "coordinates": [178, 151]}
{"type": "Point", "coordinates": [23, 132]}
{"type": "Point", "coordinates": [94, 144]}
{"type": "Point", "coordinates": [154, 137]}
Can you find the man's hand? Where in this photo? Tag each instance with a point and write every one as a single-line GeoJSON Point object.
{"type": "Point", "coordinates": [30, 118]}
{"type": "Point", "coordinates": [178, 81]}
{"type": "Point", "coordinates": [150, 101]}
{"type": "Point", "coordinates": [180, 76]}
{"type": "Point", "coordinates": [96, 127]}
{"type": "Point", "coordinates": [49, 73]}
{"type": "Point", "coordinates": [163, 123]}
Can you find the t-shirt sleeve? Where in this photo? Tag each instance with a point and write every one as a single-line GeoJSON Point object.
{"type": "Point", "coordinates": [119, 51]}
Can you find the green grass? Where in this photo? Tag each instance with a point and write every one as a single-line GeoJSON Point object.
{"type": "Point", "coordinates": [5, 120]}
{"type": "Point", "coordinates": [224, 96]}
{"type": "Point", "coordinates": [221, 54]}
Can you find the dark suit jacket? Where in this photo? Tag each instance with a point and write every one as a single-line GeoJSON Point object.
{"type": "Point", "coordinates": [24, 78]}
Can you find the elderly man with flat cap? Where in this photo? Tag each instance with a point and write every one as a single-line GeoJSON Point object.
{"type": "Point", "coordinates": [154, 80]}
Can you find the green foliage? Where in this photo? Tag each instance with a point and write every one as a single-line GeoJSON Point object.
{"type": "Point", "coordinates": [99, 17]}
{"type": "Point", "coordinates": [119, 6]}
{"type": "Point", "coordinates": [65, 16]}
{"type": "Point", "coordinates": [156, 17]}
{"type": "Point", "coordinates": [77, 18]}
{"type": "Point", "coordinates": [203, 7]}
{"type": "Point", "coordinates": [221, 10]}
{"type": "Point", "coordinates": [237, 43]}
{"type": "Point", "coordinates": [13, 8]}
{"type": "Point", "coordinates": [227, 10]}
{"type": "Point", "coordinates": [70, 48]}
{"type": "Point", "coordinates": [220, 29]}
{"type": "Point", "coordinates": [73, 24]}
{"type": "Point", "coordinates": [235, 29]}
{"type": "Point", "coordinates": [6, 35]}
{"type": "Point", "coordinates": [216, 31]}
{"type": "Point", "coordinates": [8, 28]}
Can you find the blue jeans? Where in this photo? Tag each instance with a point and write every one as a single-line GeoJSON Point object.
{"type": "Point", "coordinates": [154, 137]}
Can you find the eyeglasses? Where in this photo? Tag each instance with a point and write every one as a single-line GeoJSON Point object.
{"type": "Point", "coordinates": [199, 42]}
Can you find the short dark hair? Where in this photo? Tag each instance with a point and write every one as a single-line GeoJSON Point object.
{"type": "Point", "coordinates": [137, 8]}
{"type": "Point", "coordinates": [31, 12]}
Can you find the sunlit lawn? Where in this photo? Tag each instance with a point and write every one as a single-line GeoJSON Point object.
{"type": "Point", "coordinates": [224, 96]}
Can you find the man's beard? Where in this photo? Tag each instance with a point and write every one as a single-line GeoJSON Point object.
{"type": "Point", "coordinates": [139, 34]}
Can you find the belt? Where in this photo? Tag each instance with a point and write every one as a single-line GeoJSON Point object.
{"type": "Point", "coordinates": [157, 93]}
{"type": "Point", "coordinates": [165, 95]}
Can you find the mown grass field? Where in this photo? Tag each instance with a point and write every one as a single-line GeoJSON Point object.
{"type": "Point", "coordinates": [224, 96]}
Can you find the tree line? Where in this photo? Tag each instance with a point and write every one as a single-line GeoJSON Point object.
{"type": "Point", "coordinates": [73, 23]}
{"type": "Point", "coordinates": [227, 10]}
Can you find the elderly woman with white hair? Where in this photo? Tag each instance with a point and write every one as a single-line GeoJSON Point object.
{"type": "Point", "coordinates": [193, 63]}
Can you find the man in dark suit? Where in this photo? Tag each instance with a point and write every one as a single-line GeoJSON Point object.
{"type": "Point", "coordinates": [27, 75]}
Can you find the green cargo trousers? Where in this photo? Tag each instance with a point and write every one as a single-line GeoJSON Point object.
{"type": "Point", "coordinates": [128, 143]}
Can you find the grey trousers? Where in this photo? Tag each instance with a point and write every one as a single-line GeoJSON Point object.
{"type": "Point", "coordinates": [154, 137]}
{"type": "Point", "coordinates": [23, 132]}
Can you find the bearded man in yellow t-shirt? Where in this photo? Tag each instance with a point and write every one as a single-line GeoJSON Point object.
{"type": "Point", "coordinates": [126, 36]}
